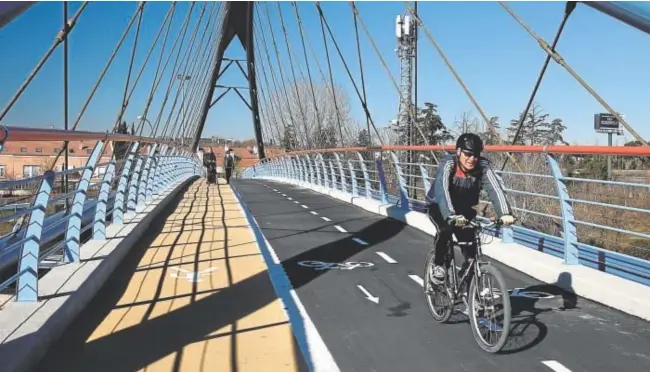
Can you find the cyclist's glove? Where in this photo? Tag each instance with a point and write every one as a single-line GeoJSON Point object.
{"type": "Point", "coordinates": [457, 220]}
{"type": "Point", "coordinates": [507, 219]}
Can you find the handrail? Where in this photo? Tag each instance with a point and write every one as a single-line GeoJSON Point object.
{"type": "Point", "coordinates": [11, 133]}
{"type": "Point", "coordinates": [537, 149]}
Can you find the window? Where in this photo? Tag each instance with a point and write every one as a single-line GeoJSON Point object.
{"type": "Point", "coordinates": [39, 149]}
{"type": "Point", "coordinates": [2, 171]}
{"type": "Point", "coordinates": [23, 149]}
{"type": "Point", "coordinates": [30, 171]}
{"type": "Point", "coordinates": [56, 150]}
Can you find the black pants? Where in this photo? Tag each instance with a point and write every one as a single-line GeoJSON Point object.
{"type": "Point", "coordinates": [228, 174]}
{"type": "Point", "coordinates": [465, 236]}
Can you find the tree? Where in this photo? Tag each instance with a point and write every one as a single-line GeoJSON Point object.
{"type": "Point", "coordinates": [431, 125]}
{"type": "Point", "coordinates": [491, 134]}
{"type": "Point", "coordinates": [316, 122]}
{"type": "Point", "coordinates": [555, 133]}
{"type": "Point", "coordinates": [289, 140]}
{"type": "Point", "coordinates": [363, 140]}
{"type": "Point", "coordinates": [534, 128]}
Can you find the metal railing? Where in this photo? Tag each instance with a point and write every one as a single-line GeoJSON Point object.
{"type": "Point", "coordinates": [42, 237]}
{"type": "Point", "coordinates": [564, 202]}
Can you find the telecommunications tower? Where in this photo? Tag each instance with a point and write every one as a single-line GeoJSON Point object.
{"type": "Point", "coordinates": [406, 39]}
{"type": "Point", "coordinates": [406, 32]}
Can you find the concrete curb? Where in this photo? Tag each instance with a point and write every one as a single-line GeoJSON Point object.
{"type": "Point", "coordinates": [28, 329]}
{"type": "Point", "coordinates": [607, 289]}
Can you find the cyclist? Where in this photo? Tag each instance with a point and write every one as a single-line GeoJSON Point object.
{"type": "Point", "coordinates": [451, 198]}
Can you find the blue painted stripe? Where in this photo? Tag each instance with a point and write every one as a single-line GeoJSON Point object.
{"type": "Point", "coordinates": [281, 283]}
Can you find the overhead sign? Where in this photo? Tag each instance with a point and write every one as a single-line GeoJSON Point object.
{"type": "Point", "coordinates": [606, 122]}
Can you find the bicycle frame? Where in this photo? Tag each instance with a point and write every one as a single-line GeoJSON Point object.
{"type": "Point", "coordinates": [473, 264]}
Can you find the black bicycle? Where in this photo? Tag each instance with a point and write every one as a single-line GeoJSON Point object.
{"type": "Point", "coordinates": [483, 314]}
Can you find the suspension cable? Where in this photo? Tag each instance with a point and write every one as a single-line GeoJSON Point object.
{"type": "Point", "coordinates": [329, 67]}
{"type": "Point", "coordinates": [282, 79]}
{"type": "Point", "coordinates": [560, 60]}
{"type": "Point", "coordinates": [347, 69]}
{"type": "Point", "coordinates": [311, 84]}
{"type": "Point", "coordinates": [61, 35]}
{"type": "Point", "coordinates": [295, 81]}
{"type": "Point", "coordinates": [363, 82]}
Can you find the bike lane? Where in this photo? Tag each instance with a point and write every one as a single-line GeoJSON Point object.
{"type": "Point", "coordinates": [384, 325]}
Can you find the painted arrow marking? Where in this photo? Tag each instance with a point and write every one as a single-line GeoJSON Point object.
{"type": "Point", "coordinates": [368, 295]}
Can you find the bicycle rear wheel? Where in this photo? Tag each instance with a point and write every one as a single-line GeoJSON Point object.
{"type": "Point", "coordinates": [484, 314]}
{"type": "Point", "coordinates": [436, 296]}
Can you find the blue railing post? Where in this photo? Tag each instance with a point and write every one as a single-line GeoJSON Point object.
{"type": "Point", "coordinates": [383, 193]}
{"type": "Point", "coordinates": [404, 200]}
{"type": "Point", "coordinates": [73, 229]}
{"type": "Point", "coordinates": [425, 178]}
{"type": "Point", "coordinates": [310, 169]}
{"type": "Point", "coordinates": [99, 222]}
{"type": "Point", "coordinates": [166, 171]}
{"type": "Point", "coordinates": [317, 160]}
{"type": "Point", "coordinates": [353, 179]}
{"type": "Point", "coordinates": [344, 186]}
{"type": "Point", "coordinates": [151, 182]}
{"type": "Point", "coordinates": [144, 180]}
{"type": "Point", "coordinates": [28, 264]}
{"type": "Point", "coordinates": [133, 183]}
{"type": "Point", "coordinates": [366, 179]}
{"type": "Point", "coordinates": [571, 255]}
{"type": "Point", "coordinates": [118, 207]}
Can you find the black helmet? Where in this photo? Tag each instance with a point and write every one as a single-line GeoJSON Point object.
{"type": "Point", "coordinates": [470, 142]}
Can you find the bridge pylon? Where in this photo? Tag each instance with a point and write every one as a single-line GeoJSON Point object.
{"type": "Point", "coordinates": [238, 21]}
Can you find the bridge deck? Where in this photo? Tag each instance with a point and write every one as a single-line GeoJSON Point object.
{"type": "Point", "coordinates": [195, 296]}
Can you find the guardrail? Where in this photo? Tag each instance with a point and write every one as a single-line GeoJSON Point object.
{"type": "Point", "coordinates": [39, 241]}
{"type": "Point", "coordinates": [565, 205]}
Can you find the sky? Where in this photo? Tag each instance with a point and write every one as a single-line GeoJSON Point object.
{"type": "Point", "coordinates": [496, 58]}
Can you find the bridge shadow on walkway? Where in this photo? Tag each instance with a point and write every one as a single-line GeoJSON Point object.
{"type": "Point", "coordinates": [145, 318]}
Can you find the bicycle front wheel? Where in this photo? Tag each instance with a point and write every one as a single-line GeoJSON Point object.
{"type": "Point", "coordinates": [490, 321]}
{"type": "Point", "coordinates": [436, 296]}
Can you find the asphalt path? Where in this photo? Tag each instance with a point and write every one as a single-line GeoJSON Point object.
{"type": "Point", "coordinates": [359, 277]}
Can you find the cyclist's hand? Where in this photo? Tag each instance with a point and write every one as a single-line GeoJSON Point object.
{"type": "Point", "coordinates": [457, 220]}
{"type": "Point", "coordinates": [507, 220]}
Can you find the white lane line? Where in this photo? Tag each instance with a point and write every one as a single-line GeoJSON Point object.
{"type": "Point", "coordinates": [339, 228]}
{"type": "Point", "coordinates": [326, 219]}
{"type": "Point", "coordinates": [289, 198]}
{"type": "Point", "coordinates": [285, 195]}
{"type": "Point", "coordinates": [417, 279]}
{"type": "Point", "coordinates": [556, 366]}
{"type": "Point", "coordinates": [313, 212]}
{"type": "Point", "coordinates": [297, 202]}
{"type": "Point", "coordinates": [275, 190]}
{"type": "Point", "coordinates": [386, 257]}
{"type": "Point", "coordinates": [359, 241]}
{"type": "Point", "coordinates": [304, 206]}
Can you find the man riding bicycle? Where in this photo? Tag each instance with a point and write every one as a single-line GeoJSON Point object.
{"type": "Point", "coordinates": [453, 195]}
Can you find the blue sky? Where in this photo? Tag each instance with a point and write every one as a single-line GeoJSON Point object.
{"type": "Point", "coordinates": [494, 55]}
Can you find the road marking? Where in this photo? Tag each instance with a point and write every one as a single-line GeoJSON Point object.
{"type": "Point", "coordinates": [359, 241]}
{"type": "Point", "coordinates": [339, 228]}
{"type": "Point", "coordinates": [313, 212]}
{"type": "Point", "coordinates": [556, 366]}
{"type": "Point", "coordinates": [285, 195]}
{"type": "Point", "coordinates": [417, 279]}
{"type": "Point", "coordinates": [304, 206]}
{"type": "Point", "coordinates": [319, 265]}
{"type": "Point", "coordinates": [368, 295]}
{"type": "Point", "coordinates": [289, 198]}
{"type": "Point", "coordinates": [386, 257]}
{"type": "Point", "coordinates": [297, 202]}
{"type": "Point", "coordinates": [326, 219]}
{"type": "Point", "coordinates": [191, 276]}
{"type": "Point", "coordinates": [275, 190]}
{"type": "Point", "coordinates": [309, 340]}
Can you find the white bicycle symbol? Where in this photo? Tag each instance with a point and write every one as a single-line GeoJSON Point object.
{"type": "Point", "coordinates": [319, 265]}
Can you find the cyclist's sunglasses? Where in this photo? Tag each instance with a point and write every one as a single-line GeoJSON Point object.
{"type": "Point", "coordinates": [469, 154]}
